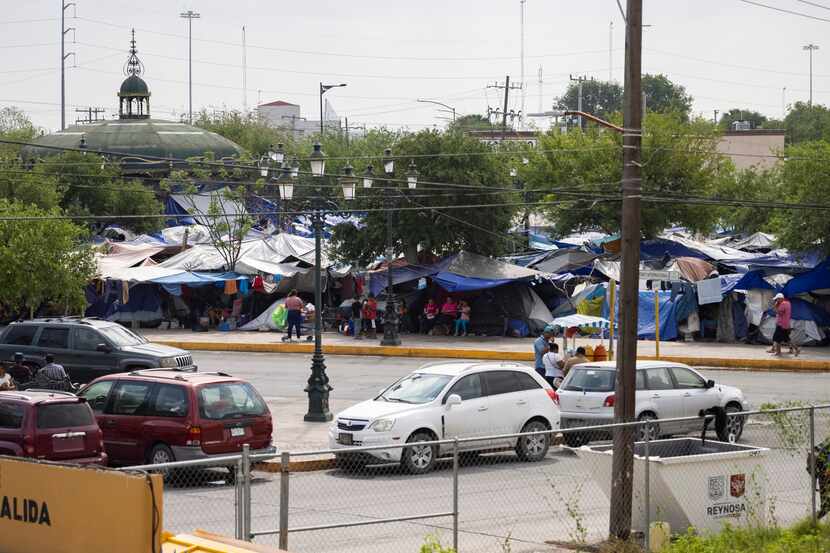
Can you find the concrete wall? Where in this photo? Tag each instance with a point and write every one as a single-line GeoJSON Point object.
{"type": "Point", "coordinates": [753, 148]}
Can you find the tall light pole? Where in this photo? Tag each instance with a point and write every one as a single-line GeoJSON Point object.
{"type": "Point", "coordinates": [440, 104]}
{"type": "Point", "coordinates": [64, 55]}
{"type": "Point", "coordinates": [190, 15]}
{"type": "Point", "coordinates": [810, 48]}
{"type": "Point", "coordinates": [323, 89]}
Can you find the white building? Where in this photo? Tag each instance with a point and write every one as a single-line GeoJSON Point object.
{"type": "Point", "coordinates": [285, 115]}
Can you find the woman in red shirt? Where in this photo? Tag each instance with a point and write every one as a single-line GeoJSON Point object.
{"type": "Point", "coordinates": [449, 312]}
{"type": "Point", "coordinates": [428, 317]}
{"type": "Point", "coordinates": [370, 314]}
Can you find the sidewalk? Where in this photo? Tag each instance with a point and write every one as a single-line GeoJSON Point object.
{"type": "Point", "coordinates": [702, 354]}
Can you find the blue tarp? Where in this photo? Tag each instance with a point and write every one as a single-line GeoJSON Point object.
{"type": "Point", "coordinates": [172, 207]}
{"type": "Point", "coordinates": [452, 282]}
{"type": "Point", "coordinates": [407, 273]}
{"type": "Point", "coordinates": [645, 316]}
{"type": "Point", "coordinates": [753, 280]}
{"type": "Point", "coordinates": [815, 279]}
{"type": "Point", "coordinates": [660, 247]}
{"type": "Point", "coordinates": [774, 263]}
{"type": "Point", "coordinates": [197, 278]}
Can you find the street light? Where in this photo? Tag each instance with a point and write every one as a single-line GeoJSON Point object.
{"type": "Point", "coordinates": [412, 175]}
{"type": "Point", "coordinates": [318, 161]}
{"type": "Point", "coordinates": [323, 89]}
{"type": "Point", "coordinates": [278, 155]}
{"type": "Point", "coordinates": [368, 176]}
{"type": "Point", "coordinates": [190, 15]}
{"type": "Point", "coordinates": [295, 168]}
{"type": "Point", "coordinates": [286, 183]}
{"type": "Point", "coordinates": [388, 162]}
{"type": "Point", "coordinates": [440, 104]}
{"type": "Point", "coordinates": [348, 182]}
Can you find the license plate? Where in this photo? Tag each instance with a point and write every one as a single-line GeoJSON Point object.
{"type": "Point", "coordinates": [66, 445]}
{"type": "Point", "coordinates": [237, 431]}
{"type": "Point", "coordinates": [345, 439]}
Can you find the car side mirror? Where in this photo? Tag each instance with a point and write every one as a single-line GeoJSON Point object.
{"type": "Point", "coordinates": [453, 399]}
{"type": "Point", "coordinates": [710, 383]}
{"type": "Point", "coordinates": [104, 348]}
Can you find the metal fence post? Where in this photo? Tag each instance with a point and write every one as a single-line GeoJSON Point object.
{"type": "Point", "coordinates": [647, 485]}
{"type": "Point", "coordinates": [246, 492]}
{"type": "Point", "coordinates": [455, 495]}
{"type": "Point", "coordinates": [285, 459]}
{"type": "Point", "coordinates": [813, 464]}
{"type": "Point", "coordinates": [238, 500]}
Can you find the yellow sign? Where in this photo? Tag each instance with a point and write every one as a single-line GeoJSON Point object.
{"type": "Point", "coordinates": [65, 509]}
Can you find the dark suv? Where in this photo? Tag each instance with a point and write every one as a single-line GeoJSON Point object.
{"type": "Point", "coordinates": [87, 348]}
{"type": "Point", "coordinates": [54, 426]}
{"type": "Point", "coordinates": [160, 416]}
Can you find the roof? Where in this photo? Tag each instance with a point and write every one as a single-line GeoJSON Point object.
{"type": "Point", "coordinates": [33, 396]}
{"type": "Point", "coordinates": [134, 86]}
{"type": "Point", "coordinates": [145, 137]}
{"type": "Point", "coordinates": [277, 103]}
{"type": "Point", "coordinates": [640, 364]}
{"type": "Point", "coordinates": [458, 367]}
{"type": "Point", "coordinates": [181, 376]}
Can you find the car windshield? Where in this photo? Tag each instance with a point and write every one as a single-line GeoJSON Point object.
{"type": "Point", "coordinates": [230, 400]}
{"type": "Point", "coordinates": [121, 336]}
{"type": "Point", "coordinates": [415, 388]}
{"type": "Point", "coordinates": [589, 379]}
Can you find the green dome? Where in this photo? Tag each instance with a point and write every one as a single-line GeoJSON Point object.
{"type": "Point", "coordinates": [136, 138]}
{"type": "Point", "coordinates": [134, 86]}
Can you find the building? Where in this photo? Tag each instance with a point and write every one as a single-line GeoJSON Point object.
{"type": "Point", "coordinates": [135, 138]}
{"type": "Point", "coordinates": [285, 115]}
{"type": "Point", "coordinates": [753, 148]}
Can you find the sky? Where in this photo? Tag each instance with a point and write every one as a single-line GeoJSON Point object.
{"type": "Point", "coordinates": [727, 53]}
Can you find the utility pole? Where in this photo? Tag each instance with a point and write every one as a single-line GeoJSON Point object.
{"type": "Point", "coordinates": [522, 76]}
{"type": "Point", "coordinates": [783, 103]}
{"type": "Point", "coordinates": [190, 15]}
{"type": "Point", "coordinates": [811, 48]}
{"type": "Point", "coordinates": [503, 112]}
{"type": "Point", "coordinates": [715, 120]}
{"type": "Point", "coordinates": [579, 81]}
{"type": "Point", "coordinates": [541, 88]}
{"type": "Point", "coordinates": [323, 89]}
{"type": "Point", "coordinates": [244, 73]}
{"type": "Point", "coordinates": [64, 55]}
{"type": "Point", "coordinates": [610, 52]}
{"type": "Point", "coordinates": [622, 470]}
{"type": "Point", "coordinates": [91, 115]}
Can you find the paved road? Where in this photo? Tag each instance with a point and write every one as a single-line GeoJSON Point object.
{"type": "Point", "coordinates": [500, 498]}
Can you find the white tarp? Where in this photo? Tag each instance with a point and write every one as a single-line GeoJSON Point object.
{"type": "Point", "coordinates": [143, 273]}
{"type": "Point", "coordinates": [128, 257]}
{"type": "Point", "coordinates": [199, 205]}
{"type": "Point", "coordinates": [802, 333]}
{"type": "Point", "coordinates": [708, 291]}
{"type": "Point", "coordinates": [713, 251]}
{"type": "Point", "coordinates": [757, 301]}
{"type": "Point", "coordinates": [264, 320]}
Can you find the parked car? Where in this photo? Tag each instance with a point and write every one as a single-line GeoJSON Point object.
{"type": "Point", "coordinates": [664, 391]}
{"type": "Point", "coordinates": [87, 348]}
{"type": "Point", "coordinates": [163, 415]}
{"type": "Point", "coordinates": [53, 426]}
{"type": "Point", "coordinates": [449, 400]}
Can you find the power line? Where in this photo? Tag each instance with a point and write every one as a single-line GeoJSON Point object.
{"type": "Point", "coordinates": [814, 4]}
{"type": "Point", "coordinates": [782, 10]}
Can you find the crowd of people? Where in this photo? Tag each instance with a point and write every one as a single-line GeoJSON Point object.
{"type": "Point", "coordinates": [550, 363]}
{"type": "Point", "coordinates": [453, 318]}
{"type": "Point", "coordinates": [51, 376]}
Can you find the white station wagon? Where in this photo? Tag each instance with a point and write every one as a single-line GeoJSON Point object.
{"type": "Point", "coordinates": [664, 391]}
{"type": "Point", "coordinates": [444, 401]}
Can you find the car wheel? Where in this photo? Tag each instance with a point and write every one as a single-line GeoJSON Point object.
{"type": "Point", "coordinates": [734, 425]}
{"type": "Point", "coordinates": [419, 459]}
{"type": "Point", "coordinates": [533, 448]}
{"type": "Point", "coordinates": [160, 454]}
{"type": "Point", "coordinates": [575, 439]}
{"type": "Point", "coordinates": [652, 429]}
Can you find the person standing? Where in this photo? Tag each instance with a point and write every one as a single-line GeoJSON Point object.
{"type": "Point", "coordinates": [553, 362]}
{"type": "Point", "coordinates": [783, 325]}
{"type": "Point", "coordinates": [541, 346]}
{"type": "Point", "coordinates": [463, 320]}
{"type": "Point", "coordinates": [19, 371]}
{"type": "Point", "coordinates": [52, 376]}
{"type": "Point", "coordinates": [294, 306]}
{"type": "Point", "coordinates": [370, 315]}
{"type": "Point", "coordinates": [356, 320]}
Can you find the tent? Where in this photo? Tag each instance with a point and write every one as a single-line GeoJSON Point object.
{"type": "Point", "coordinates": [566, 261]}
{"type": "Point", "coordinates": [757, 241]}
{"type": "Point", "coordinates": [815, 281]}
{"type": "Point", "coordinates": [264, 321]}
{"type": "Point", "coordinates": [808, 321]}
{"type": "Point", "coordinates": [645, 315]}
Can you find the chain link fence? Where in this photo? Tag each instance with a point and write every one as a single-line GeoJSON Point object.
{"type": "Point", "coordinates": [521, 492]}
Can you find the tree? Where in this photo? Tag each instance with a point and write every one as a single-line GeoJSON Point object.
{"type": "Point", "coordinates": [472, 176]}
{"type": "Point", "coordinates": [14, 125]}
{"type": "Point", "coordinates": [600, 98]}
{"type": "Point", "coordinates": [735, 114]}
{"type": "Point", "coordinates": [246, 130]}
{"type": "Point", "coordinates": [30, 186]}
{"type": "Point", "coordinates": [583, 171]}
{"type": "Point", "coordinates": [89, 185]}
{"type": "Point", "coordinates": [749, 185]}
{"type": "Point", "coordinates": [472, 122]}
{"type": "Point", "coordinates": [42, 260]}
{"type": "Point", "coordinates": [805, 123]}
{"type": "Point", "coordinates": [664, 96]}
{"type": "Point", "coordinates": [806, 179]}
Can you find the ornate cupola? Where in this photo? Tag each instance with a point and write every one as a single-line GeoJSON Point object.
{"type": "Point", "coordinates": [134, 96]}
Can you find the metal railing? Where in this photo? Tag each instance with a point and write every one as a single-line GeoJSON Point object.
{"type": "Point", "coordinates": [331, 499]}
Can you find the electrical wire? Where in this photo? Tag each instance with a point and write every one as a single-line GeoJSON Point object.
{"type": "Point", "coordinates": [782, 10]}
{"type": "Point", "coordinates": [814, 4]}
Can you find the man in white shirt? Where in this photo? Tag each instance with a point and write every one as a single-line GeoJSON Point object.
{"type": "Point", "coordinates": [6, 381]}
{"type": "Point", "coordinates": [553, 366]}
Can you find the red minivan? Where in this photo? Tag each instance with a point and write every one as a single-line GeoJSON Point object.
{"type": "Point", "coordinates": [49, 425]}
{"type": "Point", "coordinates": [165, 415]}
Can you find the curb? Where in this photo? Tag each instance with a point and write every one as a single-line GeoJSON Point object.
{"type": "Point", "coordinates": [760, 365]}
{"type": "Point", "coordinates": [305, 465]}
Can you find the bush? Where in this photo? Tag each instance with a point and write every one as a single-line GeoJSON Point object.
{"type": "Point", "coordinates": [801, 538]}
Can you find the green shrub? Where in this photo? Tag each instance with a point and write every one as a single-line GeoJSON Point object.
{"type": "Point", "coordinates": [801, 538]}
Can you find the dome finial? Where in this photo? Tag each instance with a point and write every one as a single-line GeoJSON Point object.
{"type": "Point", "coordinates": [133, 65]}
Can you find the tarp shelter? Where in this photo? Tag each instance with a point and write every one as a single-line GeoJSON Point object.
{"type": "Point", "coordinates": [815, 281]}
{"type": "Point", "coordinates": [264, 320]}
{"type": "Point", "coordinates": [199, 205]}
{"type": "Point", "coordinates": [645, 315]}
{"type": "Point", "coordinates": [757, 241]}
{"type": "Point", "coordinates": [577, 320]}
{"type": "Point", "coordinates": [566, 261]}
{"type": "Point", "coordinates": [513, 309]}
{"type": "Point", "coordinates": [469, 271]}
{"type": "Point", "coordinates": [808, 320]}
{"type": "Point", "coordinates": [256, 256]}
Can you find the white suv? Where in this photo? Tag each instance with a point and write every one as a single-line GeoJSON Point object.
{"type": "Point", "coordinates": [664, 391]}
{"type": "Point", "coordinates": [450, 400]}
